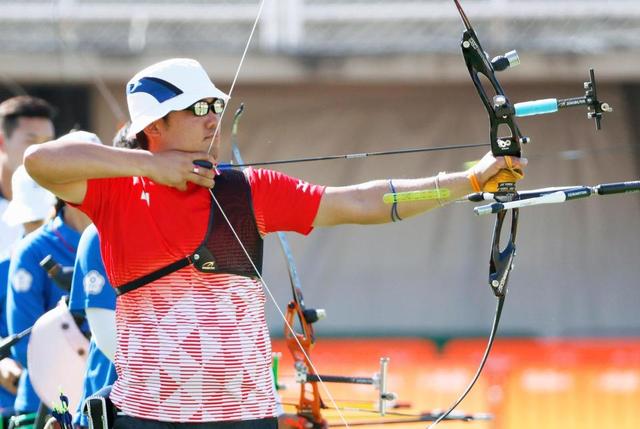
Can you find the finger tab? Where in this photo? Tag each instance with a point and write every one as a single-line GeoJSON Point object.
{"type": "Point", "coordinates": [203, 163]}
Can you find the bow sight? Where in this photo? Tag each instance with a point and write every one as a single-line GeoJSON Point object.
{"type": "Point", "coordinates": [595, 107]}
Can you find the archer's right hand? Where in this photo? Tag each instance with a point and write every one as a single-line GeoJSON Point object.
{"type": "Point", "coordinates": [176, 168]}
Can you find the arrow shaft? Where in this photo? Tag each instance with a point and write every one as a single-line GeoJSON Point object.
{"type": "Point", "coordinates": [353, 155]}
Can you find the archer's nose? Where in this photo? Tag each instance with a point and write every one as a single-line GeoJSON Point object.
{"type": "Point", "coordinates": [212, 120]}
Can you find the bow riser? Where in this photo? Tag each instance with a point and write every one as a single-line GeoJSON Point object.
{"type": "Point", "coordinates": [499, 109]}
{"type": "Point", "coordinates": [501, 115]}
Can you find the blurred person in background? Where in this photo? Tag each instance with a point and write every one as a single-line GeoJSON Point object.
{"type": "Point", "coordinates": [193, 346]}
{"type": "Point", "coordinates": [31, 292]}
{"type": "Point", "coordinates": [30, 206]}
{"type": "Point", "coordinates": [93, 297]}
{"type": "Point", "coordinates": [24, 120]}
{"type": "Point", "coordinates": [31, 203]}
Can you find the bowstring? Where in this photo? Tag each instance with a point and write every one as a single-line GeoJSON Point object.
{"type": "Point", "coordinates": [235, 78]}
{"type": "Point", "coordinates": [262, 281]}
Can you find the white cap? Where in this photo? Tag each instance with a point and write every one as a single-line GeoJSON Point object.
{"type": "Point", "coordinates": [167, 86]}
{"type": "Point", "coordinates": [30, 201]}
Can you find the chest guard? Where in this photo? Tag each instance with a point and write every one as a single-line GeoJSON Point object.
{"type": "Point", "coordinates": [220, 251]}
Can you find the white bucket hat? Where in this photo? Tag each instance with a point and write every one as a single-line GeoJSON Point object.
{"type": "Point", "coordinates": [166, 86]}
{"type": "Point", "coordinates": [30, 201]}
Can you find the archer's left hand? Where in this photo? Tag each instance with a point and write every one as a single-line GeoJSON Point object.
{"type": "Point", "coordinates": [491, 170]}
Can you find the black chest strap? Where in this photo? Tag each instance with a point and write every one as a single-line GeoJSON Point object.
{"type": "Point", "coordinates": [220, 252]}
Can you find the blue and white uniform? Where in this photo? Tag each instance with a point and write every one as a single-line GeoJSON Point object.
{"type": "Point", "coordinates": [6, 399]}
{"type": "Point", "coordinates": [91, 289]}
{"type": "Point", "coordinates": [32, 293]}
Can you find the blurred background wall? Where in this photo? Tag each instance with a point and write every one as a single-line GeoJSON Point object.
{"type": "Point", "coordinates": [339, 76]}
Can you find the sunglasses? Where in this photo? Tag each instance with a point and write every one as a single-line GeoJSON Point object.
{"type": "Point", "coordinates": [202, 108]}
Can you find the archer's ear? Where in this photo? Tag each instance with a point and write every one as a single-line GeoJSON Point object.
{"type": "Point", "coordinates": [153, 128]}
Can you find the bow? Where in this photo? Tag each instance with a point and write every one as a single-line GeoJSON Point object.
{"type": "Point", "coordinates": [502, 114]}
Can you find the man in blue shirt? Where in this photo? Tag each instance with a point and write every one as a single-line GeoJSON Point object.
{"type": "Point", "coordinates": [30, 206]}
{"type": "Point", "coordinates": [31, 292]}
{"type": "Point", "coordinates": [10, 370]}
{"type": "Point", "coordinates": [93, 296]}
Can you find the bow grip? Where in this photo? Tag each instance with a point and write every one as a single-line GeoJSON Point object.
{"type": "Point", "coordinates": [503, 177]}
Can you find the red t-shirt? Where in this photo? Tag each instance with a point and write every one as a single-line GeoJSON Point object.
{"type": "Point", "coordinates": [192, 347]}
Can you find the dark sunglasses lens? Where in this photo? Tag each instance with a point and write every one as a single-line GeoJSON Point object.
{"type": "Point", "coordinates": [218, 105]}
{"type": "Point", "coordinates": [201, 108]}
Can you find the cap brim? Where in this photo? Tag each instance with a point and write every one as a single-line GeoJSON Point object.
{"type": "Point", "coordinates": [179, 102]}
{"type": "Point", "coordinates": [14, 214]}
